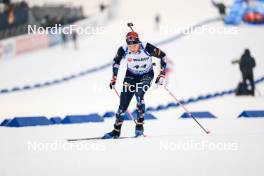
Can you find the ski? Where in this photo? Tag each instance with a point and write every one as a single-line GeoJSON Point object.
{"type": "Point", "coordinates": [101, 138]}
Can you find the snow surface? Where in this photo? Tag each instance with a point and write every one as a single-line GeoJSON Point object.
{"type": "Point", "coordinates": [202, 64]}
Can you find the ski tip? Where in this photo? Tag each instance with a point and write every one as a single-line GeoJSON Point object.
{"type": "Point", "coordinates": [208, 132]}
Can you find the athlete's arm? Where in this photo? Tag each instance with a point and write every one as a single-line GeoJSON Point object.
{"type": "Point", "coordinates": [117, 59]}
{"type": "Point", "coordinates": [156, 52]}
{"type": "Point", "coordinates": [116, 62]}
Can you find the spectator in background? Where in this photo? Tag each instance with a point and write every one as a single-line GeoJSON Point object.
{"type": "Point", "coordinates": [7, 2]}
{"type": "Point", "coordinates": [246, 65]}
{"type": "Point", "coordinates": [64, 39]}
{"type": "Point", "coordinates": [10, 14]}
{"type": "Point", "coordinates": [10, 11]}
{"type": "Point", "coordinates": [220, 6]}
{"type": "Point", "coordinates": [74, 39]}
{"type": "Point", "coordinates": [157, 22]}
{"type": "Point", "coordinates": [102, 7]}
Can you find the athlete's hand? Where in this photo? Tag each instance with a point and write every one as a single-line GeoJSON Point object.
{"type": "Point", "coordinates": [113, 82]}
{"type": "Point", "coordinates": [161, 79]}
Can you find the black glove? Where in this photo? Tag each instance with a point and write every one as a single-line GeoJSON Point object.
{"type": "Point", "coordinates": [161, 78]}
{"type": "Point", "coordinates": [113, 82]}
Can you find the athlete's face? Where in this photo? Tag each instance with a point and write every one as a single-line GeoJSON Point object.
{"type": "Point", "coordinates": [133, 48]}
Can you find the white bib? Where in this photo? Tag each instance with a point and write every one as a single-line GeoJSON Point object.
{"type": "Point", "coordinates": [140, 62]}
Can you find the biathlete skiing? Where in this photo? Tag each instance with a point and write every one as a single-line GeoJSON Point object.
{"type": "Point", "coordinates": [138, 78]}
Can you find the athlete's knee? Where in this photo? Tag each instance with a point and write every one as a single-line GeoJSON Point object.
{"type": "Point", "coordinates": [140, 104]}
{"type": "Point", "coordinates": [119, 117]}
{"type": "Point", "coordinates": [140, 95]}
{"type": "Point", "coordinates": [142, 87]}
{"type": "Point", "coordinates": [120, 112]}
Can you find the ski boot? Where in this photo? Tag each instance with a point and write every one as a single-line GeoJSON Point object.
{"type": "Point", "coordinates": [117, 127]}
{"type": "Point", "coordinates": [112, 135]}
{"type": "Point", "coordinates": [139, 131]}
